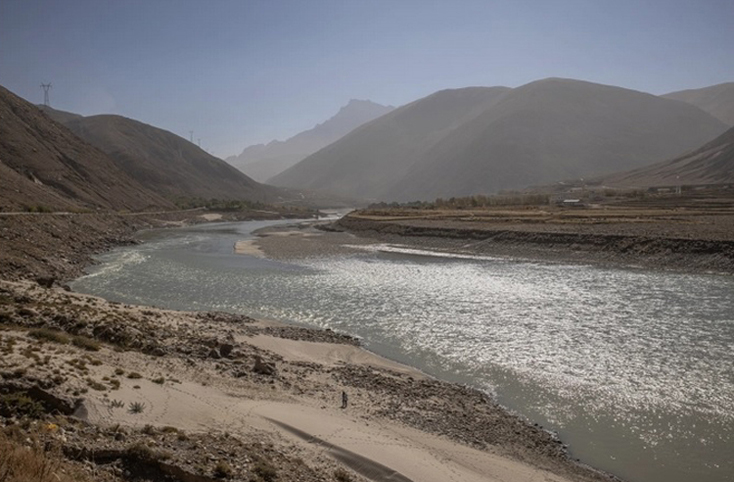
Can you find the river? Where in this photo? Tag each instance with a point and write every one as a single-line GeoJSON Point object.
{"type": "Point", "coordinates": [633, 368]}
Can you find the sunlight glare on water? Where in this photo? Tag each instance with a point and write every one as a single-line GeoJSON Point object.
{"type": "Point", "coordinates": [633, 368]}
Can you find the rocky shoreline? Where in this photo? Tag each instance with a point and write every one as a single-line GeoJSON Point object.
{"type": "Point", "coordinates": [650, 247]}
{"type": "Point", "coordinates": [115, 392]}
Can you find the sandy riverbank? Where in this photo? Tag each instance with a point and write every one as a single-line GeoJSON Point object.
{"type": "Point", "coordinates": [682, 240]}
{"type": "Point", "coordinates": [226, 380]}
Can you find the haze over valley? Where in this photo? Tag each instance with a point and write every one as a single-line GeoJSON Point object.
{"type": "Point", "coordinates": [263, 161]}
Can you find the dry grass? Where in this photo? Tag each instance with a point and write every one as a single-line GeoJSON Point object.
{"type": "Point", "coordinates": [223, 470]}
{"type": "Point", "coordinates": [85, 343]}
{"type": "Point", "coordinates": [47, 334]}
{"type": "Point", "coordinates": [19, 463]}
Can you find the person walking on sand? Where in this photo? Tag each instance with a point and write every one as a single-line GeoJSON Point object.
{"type": "Point", "coordinates": [344, 399]}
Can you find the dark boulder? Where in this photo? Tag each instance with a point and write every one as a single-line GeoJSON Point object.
{"type": "Point", "coordinates": [264, 368]}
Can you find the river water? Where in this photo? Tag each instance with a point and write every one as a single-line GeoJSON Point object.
{"type": "Point", "coordinates": [633, 368]}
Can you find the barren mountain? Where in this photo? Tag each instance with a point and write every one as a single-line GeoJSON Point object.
{"type": "Point", "coordinates": [483, 140]}
{"type": "Point", "coordinates": [263, 161]}
{"type": "Point", "coordinates": [368, 161]}
{"type": "Point", "coordinates": [43, 164]}
{"type": "Point", "coordinates": [717, 100]}
{"type": "Point", "coordinates": [711, 164]}
{"type": "Point", "coordinates": [163, 161]}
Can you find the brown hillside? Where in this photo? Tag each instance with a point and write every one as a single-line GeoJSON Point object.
{"type": "Point", "coordinates": [717, 100]}
{"type": "Point", "coordinates": [42, 163]}
{"type": "Point", "coordinates": [554, 129]}
{"type": "Point", "coordinates": [711, 164]}
{"type": "Point", "coordinates": [163, 161]}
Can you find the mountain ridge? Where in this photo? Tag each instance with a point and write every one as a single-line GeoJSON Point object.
{"type": "Point", "coordinates": [712, 163]}
{"type": "Point", "coordinates": [717, 100]}
{"type": "Point", "coordinates": [544, 131]}
{"type": "Point", "coordinates": [162, 161]}
{"type": "Point", "coordinates": [263, 161]}
{"type": "Point", "coordinates": [43, 165]}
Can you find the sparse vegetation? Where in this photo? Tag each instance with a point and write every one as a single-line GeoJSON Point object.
{"type": "Point", "coordinates": [341, 475]}
{"type": "Point", "coordinates": [223, 470]}
{"type": "Point", "coordinates": [38, 208]}
{"type": "Point", "coordinates": [95, 385]}
{"type": "Point", "coordinates": [218, 204]}
{"type": "Point", "coordinates": [21, 463]}
{"type": "Point", "coordinates": [472, 202]}
{"type": "Point", "coordinates": [136, 407]}
{"type": "Point", "coordinates": [46, 334]}
{"type": "Point", "coordinates": [141, 451]}
{"type": "Point", "coordinates": [94, 362]}
{"type": "Point", "coordinates": [79, 364]}
{"type": "Point", "coordinates": [265, 471]}
{"type": "Point", "coordinates": [85, 343]}
{"type": "Point", "coordinates": [19, 404]}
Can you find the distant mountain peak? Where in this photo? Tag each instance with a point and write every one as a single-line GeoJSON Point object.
{"type": "Point", "coordinates": [360, 105]}
{"type": "Point", "coordinates": [360, 101]}
{"type": "Point", "coordinates": [263, 161]}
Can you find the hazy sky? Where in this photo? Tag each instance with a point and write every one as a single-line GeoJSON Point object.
{"type": "Point", "coordinates": [246, 71]}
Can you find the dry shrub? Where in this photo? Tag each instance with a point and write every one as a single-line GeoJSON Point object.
{"type": "Point", "coordinates": [47, 334]}
{"type": "Point", "coordinates": [85, 343]}
{"type": "Point", "coordinates": [19, 405]}
{"type": "Point", "coordinates": [223, 470]}
{"type": "Point", "coordinates": [19, 463]}
{"type": "Point", "coordinates": [342, 475]}
{"type": "Point", "coordinates": [264, 471]}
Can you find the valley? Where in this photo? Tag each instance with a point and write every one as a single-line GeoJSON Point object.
{"type": "Point", "coordinates": [535, 283]}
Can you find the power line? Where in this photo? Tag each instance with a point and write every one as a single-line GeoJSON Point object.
{"type": "Point", "coordinates": [46, 101]}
